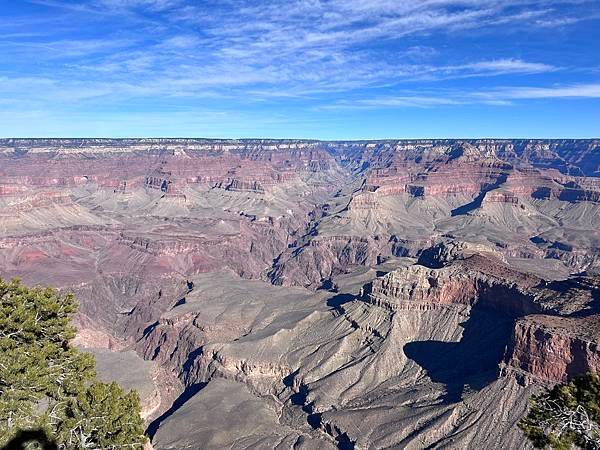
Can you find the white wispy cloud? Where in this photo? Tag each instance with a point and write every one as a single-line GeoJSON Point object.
{"type": "Point", "coordinates": [501, 96]}
{"type": "Point", "coordinates": [269, 49]}
{"type": "Point", "coordinates": [511, 65]}
{"type": "Point", "coordinates": [590, 90]}
{"type": "Point", "coordinates": [155, 5]}
{"type": "Point", "coordinates": [65, 48]}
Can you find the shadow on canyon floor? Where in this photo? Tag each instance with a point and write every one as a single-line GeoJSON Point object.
{"type": "Point", "coordinates": [187, 394]}
{"type": "Point", "coordinates": [477, 201]}
{"type": "Point", "coordinates": [339, 299]}
{"type": "Point", "coordinates": [469, 363]}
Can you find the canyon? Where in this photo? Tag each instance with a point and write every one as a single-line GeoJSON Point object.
{"type": "Point", "coordinates": [317, 294]}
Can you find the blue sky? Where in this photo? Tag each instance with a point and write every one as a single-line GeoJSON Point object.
{"type": "Point", "coordinates": [336, 69]}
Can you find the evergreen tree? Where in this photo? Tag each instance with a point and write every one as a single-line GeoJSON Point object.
{"type": "Point", "coordinates": [566, 416]}
{"type": "Point", "coordinates": [102, 416]}
{"type": "Point", "coordinates": [48, 385]}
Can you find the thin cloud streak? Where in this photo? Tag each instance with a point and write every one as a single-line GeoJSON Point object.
{"type": "Point", "coordinates": [501, 96]}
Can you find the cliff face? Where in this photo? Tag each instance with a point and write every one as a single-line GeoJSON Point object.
{"type": "Point", "coordinates": [376, 294]}
{"type": "Point", "coordinates": [568, 156]}
{"type": "Point", "coordinates": [548, 347]}
{"type": "Point", "coordinates": [553, 349]}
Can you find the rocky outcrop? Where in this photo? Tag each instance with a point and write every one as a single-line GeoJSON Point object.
{"type": "Point", "coordinates": [235, 184]}
{"type": "Point", "coordinates": [324, 258]}
{"type": "Point", "coordinates": [553, 348]}
{"type": "Point", "coordinates": [447, 251]}
{"type": "Point", "coordinates": [475, 280]}
{"type": "Point", "coordinates": [550, 347]}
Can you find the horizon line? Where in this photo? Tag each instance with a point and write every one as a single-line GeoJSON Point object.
{"type": "Point", "coordinates": [107, 138]}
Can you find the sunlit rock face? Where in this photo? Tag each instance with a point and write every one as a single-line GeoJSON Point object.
{"type": "Point", "coordinates": [372, 294]}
